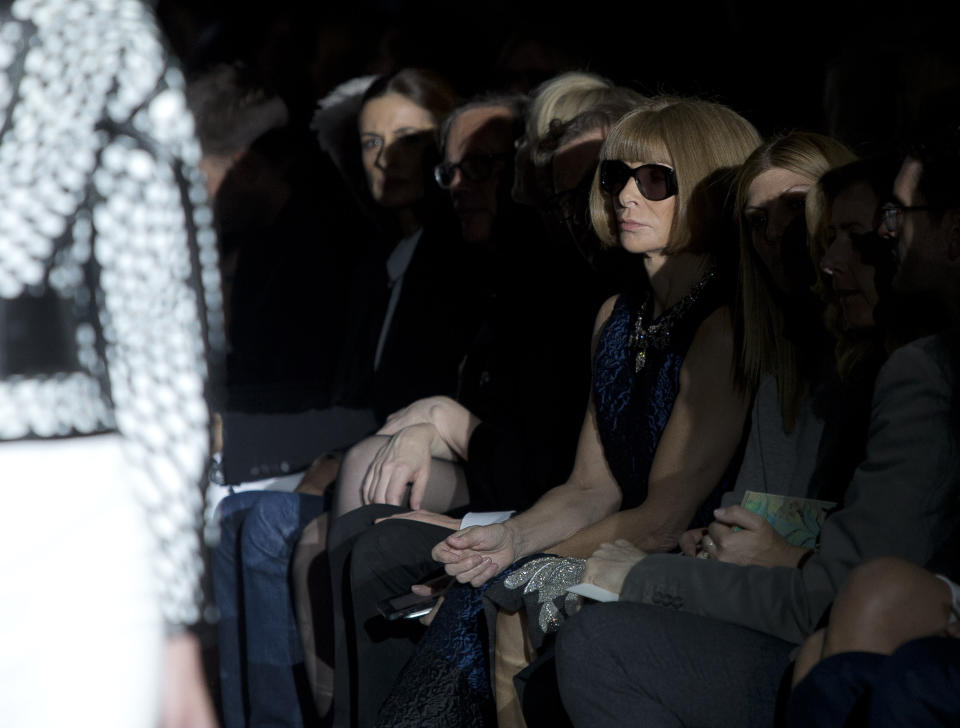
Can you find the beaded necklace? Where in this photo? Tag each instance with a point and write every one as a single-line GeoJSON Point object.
{"type": "Point", "coordinates": [657, 333]}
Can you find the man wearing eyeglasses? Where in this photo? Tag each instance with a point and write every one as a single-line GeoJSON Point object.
{"type": "Point", "coordinates": [924, 217]}
{"type": "Point", "coordinates": [643, 659]}
{"type": "Point", "coordinates": [883, 657]}
{"type": "Point", "coordinates": [477, 142]}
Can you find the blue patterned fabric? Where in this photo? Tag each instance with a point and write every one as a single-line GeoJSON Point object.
{"type": "Point", "coordinates": [447, 681]}
{"type": "Point", "coordinates": [633, 408]}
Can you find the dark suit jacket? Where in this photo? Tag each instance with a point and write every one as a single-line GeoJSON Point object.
{"type": "Point", "coordinates": [437, 315]}
{"type": "Point", "coordinates": [901, 502]}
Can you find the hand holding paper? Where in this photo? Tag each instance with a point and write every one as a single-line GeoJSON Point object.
{"type": "Point", "coordinates": [739, 536]}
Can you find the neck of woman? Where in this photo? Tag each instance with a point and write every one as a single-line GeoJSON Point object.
{"type": "Point", "coordinates": [408, 221]}
{"type": "Point", "coordinates": [673, 276]}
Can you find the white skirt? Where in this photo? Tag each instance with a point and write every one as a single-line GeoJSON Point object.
{"type": "Point", "coordinates": [80, 629]}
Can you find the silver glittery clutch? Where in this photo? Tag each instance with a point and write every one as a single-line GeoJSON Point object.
{"type": "Point", "coordinates": [550, 576]}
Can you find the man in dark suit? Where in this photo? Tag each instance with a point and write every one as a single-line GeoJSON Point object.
{"type": "Point", "coordinates": [643, 660]}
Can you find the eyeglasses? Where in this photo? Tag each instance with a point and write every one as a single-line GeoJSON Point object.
{"type": "Point", "coordinates": [890, 215]}
{"type": "Point", "coordinates": [475, 167]}
{"type": "Point", "coordinates": [655, 181]}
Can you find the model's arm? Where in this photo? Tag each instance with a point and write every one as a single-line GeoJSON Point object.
{"type": "Point", "coordinates": [161, 316]}
{"type": "Point", "coordinates": [589, 495]}
{"type": "Point", "coordinates": [702, 434]}
{"type": "Point", "coordinates": [160, 312]}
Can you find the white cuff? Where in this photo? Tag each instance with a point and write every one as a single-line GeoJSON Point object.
{"type": "Point", "coordinates": [954, 588]}
{"type": "Point", "coordinates": [485, 518]}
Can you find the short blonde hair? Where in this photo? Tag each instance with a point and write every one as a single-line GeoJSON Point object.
{"type": "Point", "coordinates": [764, 346]}
{"type": "Point", "coordinates": [697, 138]}
{"type": "Point", "coordinates": [563, 97]}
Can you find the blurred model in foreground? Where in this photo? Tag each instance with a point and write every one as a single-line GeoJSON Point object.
{"type": "Point", "coordinates": [109, 312]}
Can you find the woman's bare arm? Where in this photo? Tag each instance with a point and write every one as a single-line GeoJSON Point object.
{"type": "Point", "coordinates": [701, 436]}
{"type": "Point", "coordinates": [589, 495]}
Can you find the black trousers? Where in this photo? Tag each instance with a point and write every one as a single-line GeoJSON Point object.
{"type": "Point", "coordinates": [367, 564]}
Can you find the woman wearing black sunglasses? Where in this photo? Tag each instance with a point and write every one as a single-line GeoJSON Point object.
{"type": "Point", "coordinates": [665, 418]}
{"type": "Point", "coordinates": [661, 426]}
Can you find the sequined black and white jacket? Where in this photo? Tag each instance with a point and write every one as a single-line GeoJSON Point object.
{"type": "Point", "coordinates": [109, 288]}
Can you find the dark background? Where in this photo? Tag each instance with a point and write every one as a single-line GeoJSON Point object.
{"type": "Point", "coordinates": [863, 71]}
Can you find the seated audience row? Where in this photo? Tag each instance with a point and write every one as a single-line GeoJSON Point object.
{"type": "Point", "coordinates": [762, 351]}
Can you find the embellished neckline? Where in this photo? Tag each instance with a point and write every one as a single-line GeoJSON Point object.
{"type": "Point", "coordinates": [656, 334]}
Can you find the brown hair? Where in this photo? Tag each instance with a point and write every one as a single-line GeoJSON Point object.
{"type": "Point", "coordinates": [426, 89]}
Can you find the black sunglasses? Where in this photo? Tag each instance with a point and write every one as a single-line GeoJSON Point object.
{"type": "Point", "coordinates": [475, 167]}
{"type": "Point", "coordinates": [655, 181]}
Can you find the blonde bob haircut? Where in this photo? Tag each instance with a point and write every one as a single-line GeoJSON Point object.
{"type": "Point", "coordinates": [696, 138]}
{"type": "Point", "coordinates": [764, 346]}
{"type": "Point", "coordinates": [563, 97]}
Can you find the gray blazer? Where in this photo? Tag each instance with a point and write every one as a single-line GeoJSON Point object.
{"type": "Point", "coordinates": [903, 501]}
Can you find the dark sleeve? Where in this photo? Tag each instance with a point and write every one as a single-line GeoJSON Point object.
{"type": "Point", "coordinates": [436, 318]}
{"type": "Point", "coordinates": [257, 446]}
{"type": "Point", "coordinates": [902, 502]}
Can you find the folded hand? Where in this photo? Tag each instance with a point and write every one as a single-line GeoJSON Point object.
{"type": "Point", "coordinates": [610, 564]}
{"type": "Point", "coordinates": [404, 458]}
{"type": "Point", "coordinates": [477, 553]}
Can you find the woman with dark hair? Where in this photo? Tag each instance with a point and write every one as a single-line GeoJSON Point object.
{"type": "Point", "coordinates": [408, 288]}
{"type": "Point", "coordinates": [397, 126]}
{"type": "Point", "coordinates": [413, 283]}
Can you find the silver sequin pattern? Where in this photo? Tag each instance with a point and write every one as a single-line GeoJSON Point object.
{"type": "Point", "coordinates": [98, 168]}
{"type": "Point", "coordinates": [549, 576]}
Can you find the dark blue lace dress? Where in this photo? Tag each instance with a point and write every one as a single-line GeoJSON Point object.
{"type": "Point", "coordinates": [447, 683]}
{"type": "Point", "coordinates": [633, 407]}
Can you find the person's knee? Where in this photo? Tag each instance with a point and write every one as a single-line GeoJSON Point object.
{"type": "Point", "coordinates": [234, 508]}
{"type": "Point", "coordinates": [386, 552]}
{"type": "Point", "coordinates": [884, 602]}
{"type": "Point", "coordinates": [232, 515]}
{"type": "Point", "coordinates": [270, 530]}
{"type": "Point", "coordinates": [874, 589]}
{"type": "Point", "coordinates": [353, 469]}
{"type": "Point", "coordinates": [375, 547]}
